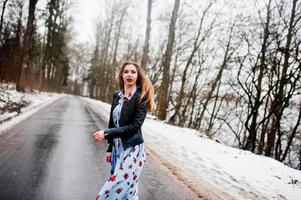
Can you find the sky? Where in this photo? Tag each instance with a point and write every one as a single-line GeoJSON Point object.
{"type": "Point", "coordinates": [85, 14]}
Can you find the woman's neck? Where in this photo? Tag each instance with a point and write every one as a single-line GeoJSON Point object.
{"type": "Point", "coordinates": [128, 89]}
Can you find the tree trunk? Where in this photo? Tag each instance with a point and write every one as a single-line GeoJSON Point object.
{"type": "Point", "coordinates": [278, 103]}
{"type": "Point", "coordinates": [114, 64]}
{"type": "Point", "coordinates": [26, 42]}
{"type": "Point", "coordinates": [19, 51]}
{"type": "Point", "coordinates": [215, 107]}
{"type": "Point", "coordinates": [147, 35]}
{"type": "Point", "coordinates": [194, 92]}
{"type": "Point", "coordinates": [251, 140]}
{"type": "Point", "coordinates": [265, 124]}
{"type": "Point", "coordinates": [163, 91]}
{"type": "Point", "coordinates": [2, 16]}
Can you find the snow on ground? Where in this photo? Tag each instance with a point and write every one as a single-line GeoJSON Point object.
{"type": "Point", "coordinates": [32, 101]}
{"type": "Point", "coordinates": [228, 172]}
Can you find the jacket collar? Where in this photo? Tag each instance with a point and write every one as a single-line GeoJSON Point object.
{"type": "Point", "coordinates": [121, 92]}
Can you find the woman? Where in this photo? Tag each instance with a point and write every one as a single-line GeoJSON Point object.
{"type": "Point", "coordinates": [125, 148]}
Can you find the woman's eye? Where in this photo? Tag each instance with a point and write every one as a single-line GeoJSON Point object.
{"type": "Point", "coordinates": [125, 71]}
{"type": "Point", "coordinates": [133, 72]}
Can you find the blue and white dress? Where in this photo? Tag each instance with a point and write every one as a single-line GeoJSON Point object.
{"type": "Point", "coordinates": [126, 164]}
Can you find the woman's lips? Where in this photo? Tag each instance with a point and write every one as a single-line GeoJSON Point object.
{"type": "Point", "coordinates": [129, 79]}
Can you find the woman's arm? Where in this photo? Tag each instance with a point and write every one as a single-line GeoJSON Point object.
{"type": "Point", "coordinates": [140, 115]}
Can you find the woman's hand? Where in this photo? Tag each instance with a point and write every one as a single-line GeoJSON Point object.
{"type": "Point", "coordinates": [109, 157]}
{"type": "Point", "coordinates": [99, 135]}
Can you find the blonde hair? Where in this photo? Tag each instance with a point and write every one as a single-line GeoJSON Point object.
{"type": "Point", "coordinates": [147, 89]}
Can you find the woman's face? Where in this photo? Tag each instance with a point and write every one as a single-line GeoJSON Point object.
{"type": "Point", "coordinates": [129, 75]}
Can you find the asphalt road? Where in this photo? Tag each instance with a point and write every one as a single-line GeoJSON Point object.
{"type": "Point", "coordinates": [52, 155]}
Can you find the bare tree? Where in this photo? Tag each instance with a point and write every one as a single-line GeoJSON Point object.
{"type": "Point", "coordinates": [163, 91]}
{"type": "Point", "coordinates": [227, 56]}
{"type": "Point", "coordinates": [281, 94]}
{"type": "Point", "coordinates": [112, 70]}
{"type": "Point", "coordinates": [196, 44]}
{"type": "Point", "coordinates": [147, 35]}
{"type": "Point", "coordinates": [252, 128]}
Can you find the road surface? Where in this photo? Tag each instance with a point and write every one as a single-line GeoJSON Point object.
{"type": "Point", "coordinates": [52, 156]}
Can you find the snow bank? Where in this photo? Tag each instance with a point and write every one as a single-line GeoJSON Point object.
{"type": "Point", "coordinates": [34, 100]}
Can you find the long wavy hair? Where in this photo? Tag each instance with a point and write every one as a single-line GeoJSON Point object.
{"type": "Point", "coordinates": [147, 89]}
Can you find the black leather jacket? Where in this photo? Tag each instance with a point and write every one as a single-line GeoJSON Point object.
{"type": "Point", "coordinates": [132, 117]}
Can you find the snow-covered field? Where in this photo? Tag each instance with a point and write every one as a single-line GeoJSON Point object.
{"type": "Point", "coordinates": [224, 172]}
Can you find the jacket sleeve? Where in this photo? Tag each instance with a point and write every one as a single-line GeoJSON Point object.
{"type": "Point", "coordinates": [110, 146]}
{"type": "Point", "coordinates": [140, 114]}
{"type": "Point", "coordinates": [110, 125]}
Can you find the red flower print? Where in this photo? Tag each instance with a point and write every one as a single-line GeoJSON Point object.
{"type": "Point", "coordinates": [113, 178]}
{"type": "Point", "coordinates": [96, 197]}
{"type": "Point", "coordinates": [125, 176]}
{"type": "Point", "coordinates": [130, 166]}
{"type": "Point", "coordinates": [134, 159]}
{"type": "Point", "coordinates": [140, 163]}
{"type": "Point", "coordinates": [135, 176]}
{"type": "Point", "coordinates": [119, 190]}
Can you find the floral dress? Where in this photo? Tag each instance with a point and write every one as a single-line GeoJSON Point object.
{"type": "Point", "coordinates": [126, 165]}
